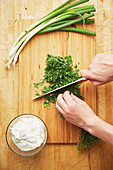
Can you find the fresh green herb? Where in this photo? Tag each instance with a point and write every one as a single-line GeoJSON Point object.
{"type": "Point", "coordinates": [37, 94]}
{"type": "Point", "coordinates": [39, 66]}
{"type": "Point", "coordinates": [15, 20]}
{"type": "Point", "coordinates": [75, 66]}
{"type": "Point", "coordinates": [58, 72]}
{"type": "Point", "coordinates": [62, 19]}
{"type": "Point", "coordinates": [62, 116]}
{"type": "Point", "coordinates": [86, 140]}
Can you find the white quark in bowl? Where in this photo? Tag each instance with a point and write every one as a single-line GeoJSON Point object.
{"type": "Point", "coordinates": [26, 135]}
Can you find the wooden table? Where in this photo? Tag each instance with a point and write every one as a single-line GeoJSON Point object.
{"type": "Point", "coordinates": [54, 156]}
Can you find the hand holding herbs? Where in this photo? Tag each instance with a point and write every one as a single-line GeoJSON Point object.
{"type": "Point", "coordinates": [58, 72]}
{"type": "Point", "coordinates": [75, 110]}
{"type": "Point", "coordinates": [80, 114]}
{"type": "Point", "coordinates": [63, 18]}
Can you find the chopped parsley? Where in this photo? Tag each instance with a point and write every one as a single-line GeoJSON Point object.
{"type": "Point", "coordinates": [58, 72]}
{"type": "Point", "coordinates": [15, 20]}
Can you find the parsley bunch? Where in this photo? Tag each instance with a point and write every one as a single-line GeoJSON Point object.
{"type": "Point", "coordinates": [60, 71]}
{"type": "Point", "coordinates": [86, 140]}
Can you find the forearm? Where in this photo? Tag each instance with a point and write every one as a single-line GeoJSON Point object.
{"type": "Point", "coordinates": [102, 130]}
{"type": "Point", "coordinates": [80, 114]}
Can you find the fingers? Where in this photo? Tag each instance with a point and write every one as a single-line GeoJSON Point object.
{"type": "Point", "coordinates": [97, 83]}
{"type": "Point", "coordinates": [76, 99]}
{"type": "Point", "coordinates": [60, 109]}
{"type": "Point", "coordinates": [61, 104]}
{"type": "Point", "coordinates": [64, 101]}
{"type": "Point", "coordinates": [67, 97]}
{"type": "Point", "coordinates": [86, 74]}
{"type": "Point", "coordinates": [92, 76]}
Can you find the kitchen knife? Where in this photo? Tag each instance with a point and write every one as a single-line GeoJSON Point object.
{"type": "Point", "coordinates": [74, 82]}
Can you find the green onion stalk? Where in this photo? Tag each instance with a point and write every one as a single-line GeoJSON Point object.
{"type": "Point", "coordinates": [62, 18]}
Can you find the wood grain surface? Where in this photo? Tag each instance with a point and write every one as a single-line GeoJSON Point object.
{"type": "Point", "coordinates": [81, 48]}
{"type": "Point", "coordinates": [54, 156]}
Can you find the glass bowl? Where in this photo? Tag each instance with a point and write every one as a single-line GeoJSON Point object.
{"type": "Point", "coordinates": [11, 144]}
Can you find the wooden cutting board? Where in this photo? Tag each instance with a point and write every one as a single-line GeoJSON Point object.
{"type": "Point", "coordinates": [81, 48]}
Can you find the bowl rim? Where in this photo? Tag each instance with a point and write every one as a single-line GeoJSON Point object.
{"type": "Point", "coordinates": [8, 128]}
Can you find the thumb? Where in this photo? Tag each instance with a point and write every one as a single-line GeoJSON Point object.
{"type": "Point", "coordinates": [86, 74]}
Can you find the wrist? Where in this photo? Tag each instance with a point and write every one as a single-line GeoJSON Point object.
{"type": "Point", "coordinates": [102, 130]}
{"type": "Point", "coordinates": [93, 124]}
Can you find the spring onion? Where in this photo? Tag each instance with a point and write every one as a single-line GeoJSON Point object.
{"type": "Point", "coordinates": [63, 18]}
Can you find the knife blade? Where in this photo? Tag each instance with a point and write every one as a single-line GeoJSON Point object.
{"type": "Point", "coordinates": [69, 84]}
